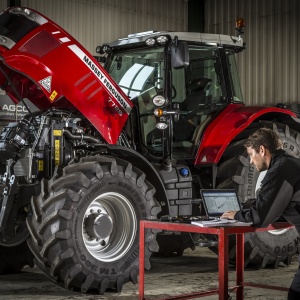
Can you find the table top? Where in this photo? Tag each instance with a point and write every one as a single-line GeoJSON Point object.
{"type": "Point", "coordinates": [185, 227]}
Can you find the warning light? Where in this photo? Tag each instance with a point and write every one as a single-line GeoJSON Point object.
{"type": "Point", "coordinates": [240, 25]}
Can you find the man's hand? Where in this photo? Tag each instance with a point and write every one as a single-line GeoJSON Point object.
{"type": "Point", "coordinates": [229, 214]}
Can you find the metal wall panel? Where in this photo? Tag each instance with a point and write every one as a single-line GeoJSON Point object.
{"type": "Point", "coordinates": [270, 66]}
{"type": "Point", "coordinates": [93, 22]}
{"type": "Point", "coordinates": [3, 4]}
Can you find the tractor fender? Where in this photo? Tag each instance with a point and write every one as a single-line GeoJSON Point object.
{"type": "Point", "coordinates": [139, 161]}
{"type": "Point", "coordinates": [231, 122]}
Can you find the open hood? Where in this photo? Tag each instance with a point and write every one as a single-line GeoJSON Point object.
{"type": "Point", "coordinates": [42, 63]}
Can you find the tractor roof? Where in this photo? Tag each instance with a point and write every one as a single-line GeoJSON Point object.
{"type": "Point", "coordinates": [218, 39]}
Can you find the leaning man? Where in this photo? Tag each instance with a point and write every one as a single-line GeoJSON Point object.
{"type": "Point", "coordinates": [280, 190]}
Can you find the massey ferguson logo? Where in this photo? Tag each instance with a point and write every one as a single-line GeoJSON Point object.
{"type": "Point", "coordinates": [102, 78]}
{"type": "Point", "coordinates": [106, 82]}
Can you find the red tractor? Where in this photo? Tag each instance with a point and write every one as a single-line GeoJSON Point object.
{"type": "Point", "coordinates": [109, 146]}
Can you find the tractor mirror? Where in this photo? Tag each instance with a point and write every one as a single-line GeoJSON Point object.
{"type": "Point", "coordinates": [180, 55]}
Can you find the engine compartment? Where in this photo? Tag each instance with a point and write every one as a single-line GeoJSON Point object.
{"type": "Point", "coordinates": [43, 140]}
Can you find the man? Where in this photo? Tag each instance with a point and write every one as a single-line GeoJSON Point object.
{"type": "Point", "coordinates": [280, 190]}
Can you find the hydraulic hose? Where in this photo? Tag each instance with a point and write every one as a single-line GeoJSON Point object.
{"type": "Point", "coordinates": [83, 137]}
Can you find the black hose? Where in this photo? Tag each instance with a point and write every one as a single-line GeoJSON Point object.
{"type": "Point", "coordinates": [83, 137]}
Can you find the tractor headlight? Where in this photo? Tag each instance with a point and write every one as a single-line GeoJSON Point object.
{"type": "Point", "coordinates": [161, 125]}
{"type": "Point", "coordinates": [162, 39]}
{"type": "Point", "coordinates": [159, 100]}
{"type": "Point", "coordinates": [150, 42]}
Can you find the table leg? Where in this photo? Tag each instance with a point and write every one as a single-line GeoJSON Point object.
{"type": "Point", "coordinates": [142, 262]}
{"type": "Point", "coordinates": [223, 265]}
{"type": "Point", "coordinates": [240, 266]}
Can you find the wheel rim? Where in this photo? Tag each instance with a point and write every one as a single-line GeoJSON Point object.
{"type": "Point", "coordinates": [109, 227]}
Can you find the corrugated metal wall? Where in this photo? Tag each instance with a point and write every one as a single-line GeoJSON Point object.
{"type": "Point", "coordinates": [3, 4]}
{"type": "Point", "coordinates": [93, 22]}
{"type": "Point", "coordinates": [270, 66]}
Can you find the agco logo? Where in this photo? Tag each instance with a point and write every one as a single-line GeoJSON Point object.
{"type": "Point", "coordinates": [14, 108]}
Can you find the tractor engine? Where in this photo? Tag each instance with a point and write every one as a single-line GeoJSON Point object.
{"type": "Point", "coordinates": [41, 141]}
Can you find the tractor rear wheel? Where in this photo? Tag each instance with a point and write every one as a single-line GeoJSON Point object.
{"type": "Point", "coordinates": [85, 224]}
{"type": "Point", "coordinates": [264, 248]}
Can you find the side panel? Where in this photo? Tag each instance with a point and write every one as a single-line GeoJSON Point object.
{"type": "Point", "coordinates": [61, 68]}
{"type": "Point", "coordinates": [233, 120]}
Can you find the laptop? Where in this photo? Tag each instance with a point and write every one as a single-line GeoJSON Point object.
{"type": "Point", "coordinates": [217, 201]}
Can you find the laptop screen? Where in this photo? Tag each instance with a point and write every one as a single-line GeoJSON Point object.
{"type": "Point", "coordinates": [216, 202]}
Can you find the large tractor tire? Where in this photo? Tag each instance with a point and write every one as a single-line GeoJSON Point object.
{"type": "Point", "coordinates": [14, 252]}
{"type": "Point", "coordinates": [264, 248]}
{"type": "Point", "coordinates": [85, 224]}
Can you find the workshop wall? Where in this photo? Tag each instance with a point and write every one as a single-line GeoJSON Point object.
{"type": "Point", "coordinates": [270, 66]}
{"type": "Point", "coordinates": [94, 22]}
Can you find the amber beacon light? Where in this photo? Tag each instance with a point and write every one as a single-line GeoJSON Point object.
{"type": "Point", "coordinates": [240, 25]}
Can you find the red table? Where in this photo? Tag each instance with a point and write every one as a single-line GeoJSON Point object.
{"type": "Point", "coordinates": [222, 233]}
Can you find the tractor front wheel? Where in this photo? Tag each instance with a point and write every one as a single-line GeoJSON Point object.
{"type": "Point", "coordinates": [85, 225]}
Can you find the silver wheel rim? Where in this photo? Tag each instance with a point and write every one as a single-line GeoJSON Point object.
{"type": "Point", "coordinates": [112, 241]}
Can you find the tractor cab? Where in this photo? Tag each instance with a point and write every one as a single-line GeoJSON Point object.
{"type": "Point", "coordinates": [178, 83]}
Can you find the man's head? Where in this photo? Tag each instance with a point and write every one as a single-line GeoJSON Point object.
{"type": "Point", "coordinates": [260, 146]}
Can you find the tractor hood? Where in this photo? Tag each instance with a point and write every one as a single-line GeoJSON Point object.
{"type": "Point", "coordinates": [43, 64]}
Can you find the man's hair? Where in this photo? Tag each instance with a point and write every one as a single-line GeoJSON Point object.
{"type": "Point", "coordinates": [264, 137]}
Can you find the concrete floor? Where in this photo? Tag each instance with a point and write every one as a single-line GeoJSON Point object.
{"type": "Point", "coordinates": [194, 271]}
